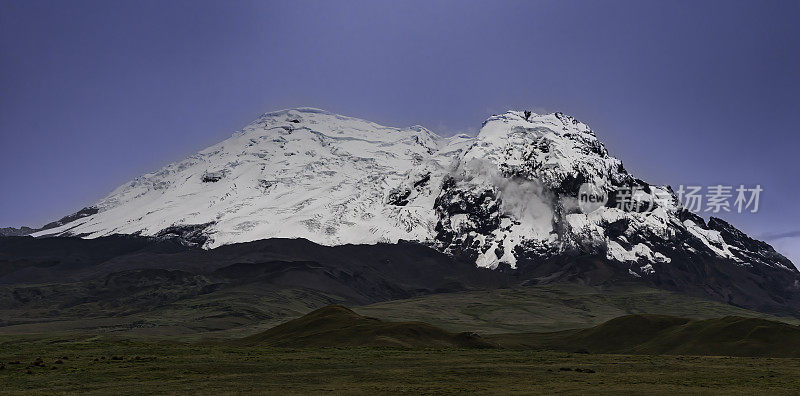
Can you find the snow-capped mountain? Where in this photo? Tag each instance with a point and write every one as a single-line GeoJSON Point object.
{"type": "Point", "coordinates": [507, 197]}
{"type": "Point", "coordinates": [301, 173]}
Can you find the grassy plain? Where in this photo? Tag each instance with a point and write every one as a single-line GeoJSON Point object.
{"type": "Point", "coordinates": [98, 365]}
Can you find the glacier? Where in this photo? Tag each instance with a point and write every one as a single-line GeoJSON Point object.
{"type": "Point", "coordinates": [505, 196]}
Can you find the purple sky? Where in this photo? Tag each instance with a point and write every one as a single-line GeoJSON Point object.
{"type": "Point", "coordinates": [94, 93]}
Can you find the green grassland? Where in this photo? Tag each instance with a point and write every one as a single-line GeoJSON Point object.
{"type": "Point", "coordinates": [118, 366]}
{"type": "Point", "coordinates": [530, 340]}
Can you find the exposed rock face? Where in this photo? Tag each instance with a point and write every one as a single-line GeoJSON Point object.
{"type": "Point", "coordinates": [189, 235]}
{"type": "Point", "coordinates": [12, 231]}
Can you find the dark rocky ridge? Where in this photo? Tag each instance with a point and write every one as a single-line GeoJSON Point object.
{"type": "Point", "coordinates": [11, 231]}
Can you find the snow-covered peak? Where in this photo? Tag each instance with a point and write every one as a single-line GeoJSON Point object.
{"type": "Point", "coordinates": [555, 149]}
{"type": "Point", "coordinates": [338, 125]}
{"type": "Point", "coordinates": [500, 124]}
{"type": "Point", "coordinates": [505, 196]}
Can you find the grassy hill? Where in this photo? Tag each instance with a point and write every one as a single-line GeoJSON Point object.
{"type": "Point", "coordinates": [659, 334]}
{"type": "Point", "coordinates": [337, 326]}
{"type": "Point", "coordinates": [547, 308]}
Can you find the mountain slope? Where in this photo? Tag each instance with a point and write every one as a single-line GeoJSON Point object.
{"type": "Point", "coordinates": [506, 198]}
{"type": "Point", "coordinates": [137, 285]}
{"type": "Point", "coordinates": [130, 283]}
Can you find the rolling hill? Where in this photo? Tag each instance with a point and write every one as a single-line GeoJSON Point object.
{"type": "Point", "coordinates": [669, 335]}
{"type": "Point", "coordinates": [338, 326]}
